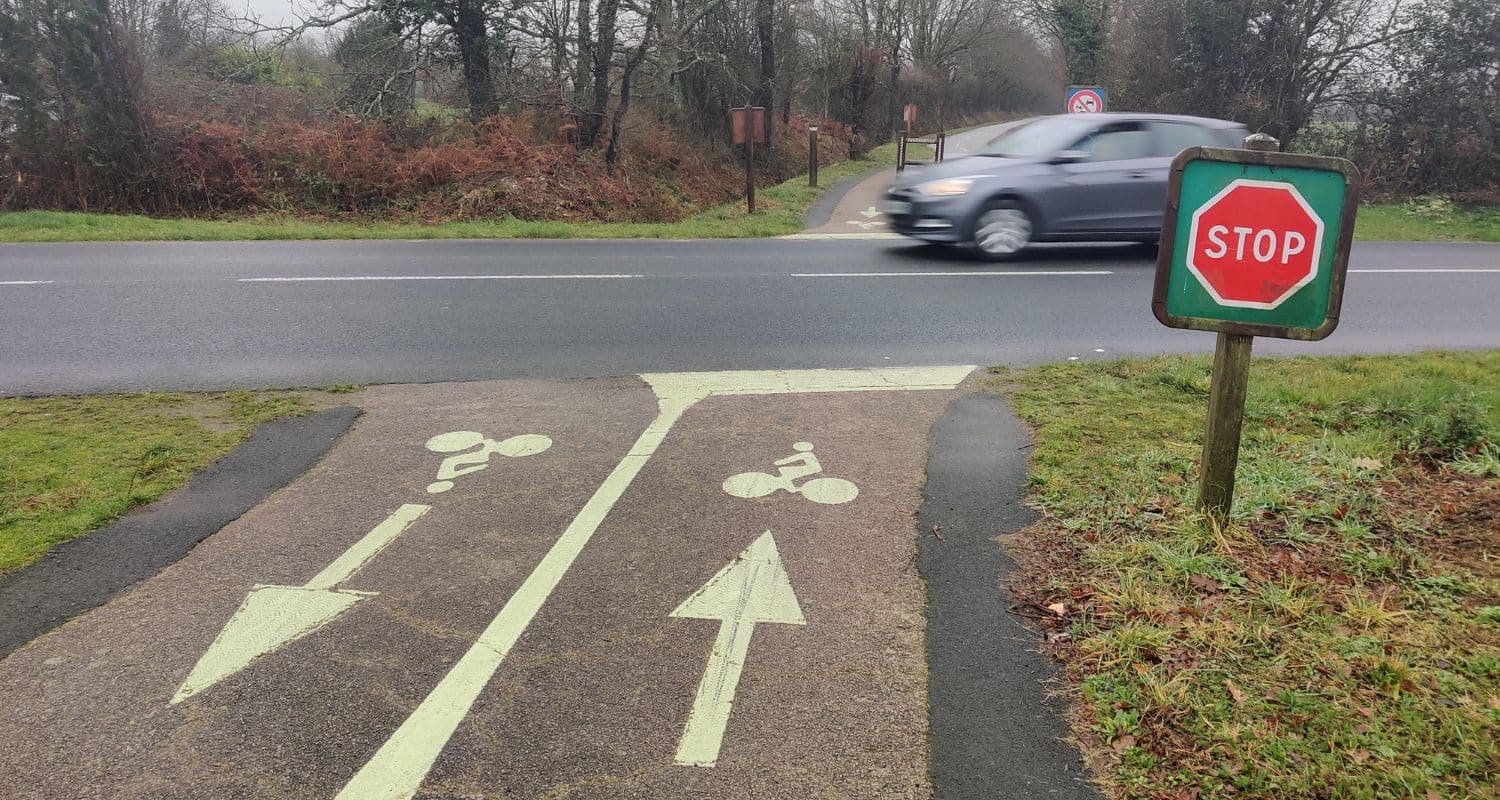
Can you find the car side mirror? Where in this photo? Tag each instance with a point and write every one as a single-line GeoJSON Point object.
{"type": "Point", "coordinates": [1070, 157]}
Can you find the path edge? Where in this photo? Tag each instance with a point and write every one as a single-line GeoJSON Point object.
{"type": "Point", "coordinates": [87, 572]}
{"type": "Point", "coordinates": [996, 730]}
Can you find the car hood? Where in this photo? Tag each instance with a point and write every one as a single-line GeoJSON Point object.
{"type": "Point", "coordinates": [969, 167]}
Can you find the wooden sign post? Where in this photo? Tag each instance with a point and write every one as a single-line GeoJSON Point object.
{"type": "Point", "coordinates": [1255, 243]}
{"type": "Point", "coordinates": [749, 124]}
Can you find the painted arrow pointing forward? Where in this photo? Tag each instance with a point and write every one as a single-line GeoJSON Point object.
{"type": "Point", "coordinates": [752, 588]}
{"type": "Point", "coordinates": [273, 617]}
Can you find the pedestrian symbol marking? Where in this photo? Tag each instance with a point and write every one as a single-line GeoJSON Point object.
{"type": "Point", "coordinates": [802, 464]}
{"type": "Point", "coordinates": [272, 617]}
{"type": "Point", "coordinates": [527, 444]}
{"type": "Point", "coordinates": [397, 769]}
{"type": "Point", "coordinates": [753, 588]}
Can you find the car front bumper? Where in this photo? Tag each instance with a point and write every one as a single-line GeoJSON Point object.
{"type": "Point", "coordinates": [929, 219]}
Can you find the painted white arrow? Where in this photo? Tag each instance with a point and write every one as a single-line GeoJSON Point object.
{"type": "Point", "coordinates": [871, 213]}
{"type": "Point", "coordinates": [273, 617]}
{"type": "Point", "coordinates": [752, 588]}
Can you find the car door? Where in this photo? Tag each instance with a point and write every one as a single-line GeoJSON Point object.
{"type": "Point", "coordinates": [1167, 139]}
{"type": "Point", "coordinates": [1114, 187]}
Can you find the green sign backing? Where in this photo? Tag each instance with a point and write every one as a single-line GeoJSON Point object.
{"type": "Point", "coordinates": [1255, 242]}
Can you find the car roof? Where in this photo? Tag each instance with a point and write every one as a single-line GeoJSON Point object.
{"type": "Point", "coordinates": [1124, 116]}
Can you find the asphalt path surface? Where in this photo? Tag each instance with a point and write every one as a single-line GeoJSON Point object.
{"type": "Point", "coordinates": [112, 316]}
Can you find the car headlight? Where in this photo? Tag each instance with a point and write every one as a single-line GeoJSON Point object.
{"type": "Point", "coordinates": [945, 187]}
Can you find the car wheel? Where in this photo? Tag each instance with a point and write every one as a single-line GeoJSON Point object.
{"type": "Point", "coordinates": [1001, 231]}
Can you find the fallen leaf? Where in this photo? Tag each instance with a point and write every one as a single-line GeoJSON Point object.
{"type": "Point", "coordinates": [1060, 609]}
{"type": "Point", "coordinates": [1495, 702]}
{"type": "Point", "coordinates": [1432, 794]}
{"type": "Point", "coordinates": [1140, 668]}
{"type": "Point", "coordinates": [1058, 638]}
{"type": "Point", "coordinates": [1124, 743]}
{"type": "Point", "coordinates": [1367, 463]}
{"type": "Point", "coordinates": [1359, 756]}
{"type": "Point", "coordinates": [1205, 583]}
{"type": "Point", "coordinates": [1234, 691]}
{"type": "Point", "coordinates": [938, 532]}
{"type": "Point", "coordinates": [1367, 713]}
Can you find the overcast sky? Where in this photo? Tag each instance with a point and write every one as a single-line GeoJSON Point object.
{"type": "Point", "coordinates": [271, 12]}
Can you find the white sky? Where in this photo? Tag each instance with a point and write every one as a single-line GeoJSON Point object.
{"type": "Point", "coordinates": [271, 12]}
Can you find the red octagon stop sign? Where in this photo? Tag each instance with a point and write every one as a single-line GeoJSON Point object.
{"type": "Point", "coordinates": [1254, 244]}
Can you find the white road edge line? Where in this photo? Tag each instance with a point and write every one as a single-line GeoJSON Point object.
{"type": "Point", "coordinates": [23, 283]}
{"type": "Point", "coordinates": [1440, 269]}
{"type": "Point", "coordinates": [436, 278]}
{"type": "Point", "coordinates": [969, 273]}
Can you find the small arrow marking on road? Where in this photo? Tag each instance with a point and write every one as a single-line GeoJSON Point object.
{"type": "Point", "coordinates": [753, 588]}
{"type": "Point", "coordinates": [272, 617]}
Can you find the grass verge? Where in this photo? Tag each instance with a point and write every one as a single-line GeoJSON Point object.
{"type": "Point", "coordinates": [1338, 637]}
{"type": "Point", "coordinates": [73, 464]}
{"type": "Point", "coordinates": [778, 212]}
{"type": "Point", "coordinates": [1428, 220]}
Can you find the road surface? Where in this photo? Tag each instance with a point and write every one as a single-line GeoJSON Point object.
{"type": "Point", "coordinates": [104, 317]}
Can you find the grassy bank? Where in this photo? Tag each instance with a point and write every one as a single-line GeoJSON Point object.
{"type": "Point", "coordinates": [778, 212]}
{"type": "Point", "coordinates": [1428, 220]}
{"type": "Point", "coordinates": [1339, 637]}
{"type": "Point", "coordinates": [73, 464]}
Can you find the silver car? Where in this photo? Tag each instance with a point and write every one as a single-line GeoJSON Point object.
{"type": "Point", "coordinates": [1070, 177]}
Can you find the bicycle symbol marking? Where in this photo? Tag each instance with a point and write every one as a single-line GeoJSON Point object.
{"type": "Point", "coordinates": [526, 444]}
{"type": "Point", "coordinates": [802, 464]}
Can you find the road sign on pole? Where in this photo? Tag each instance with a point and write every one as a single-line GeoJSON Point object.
{"type": "Point", "coordinates": [750, 125]}
{"type": "Point", "coordinates": [1255, 242]}
{"type": "Point", "coordinates": [1084, 99]}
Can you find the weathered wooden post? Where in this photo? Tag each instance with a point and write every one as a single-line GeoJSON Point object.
{"type": "Point", "coordinates": [812, 156]}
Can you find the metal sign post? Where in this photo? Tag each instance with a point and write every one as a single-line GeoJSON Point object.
{"type": "Point", "coordinates": [749, 124]}
{"type": "Point", "coordinates": [1255, 242]}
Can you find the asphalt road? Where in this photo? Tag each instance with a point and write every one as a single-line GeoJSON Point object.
{"type": "Point", "coordinates": [101, 317]}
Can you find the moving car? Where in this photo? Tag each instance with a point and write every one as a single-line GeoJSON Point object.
{"type": "Point", "coordinates": [1068, 177]}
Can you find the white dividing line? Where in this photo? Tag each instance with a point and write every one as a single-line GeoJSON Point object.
{"type": "Point", "coordinates": [322, 278]}
{"type": "Point", "coordinates": [24, 283]}
{"type": "Point", "coordinates": [1442, 269]}
{"type": "Point", "coordinates": [964, 274]}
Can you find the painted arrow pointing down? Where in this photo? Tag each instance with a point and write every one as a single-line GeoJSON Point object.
{"type": "Point", "coordinates": [273, 617]}
{"type": "Point", "coordinates": [752, 588]}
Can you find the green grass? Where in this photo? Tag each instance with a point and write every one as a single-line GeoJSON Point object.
{"type": "Point", "coordinates": [778, 212]}
{"type": "Point", "coordinates": [1428, 220]}
{"type": "Point", "coordinates": [1339, 636]}
{"type": "Point", "coordinates": [69, 465]}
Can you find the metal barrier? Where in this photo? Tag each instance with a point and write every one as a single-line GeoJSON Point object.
{"type": "Point", "coordinates": [937, 142]}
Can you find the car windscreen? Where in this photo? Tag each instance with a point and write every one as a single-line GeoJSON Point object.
{"type": "Point", "coordinates": [1038, 137]}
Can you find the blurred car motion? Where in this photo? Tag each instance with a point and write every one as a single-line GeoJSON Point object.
{"type": "Point", "coordinates": [1069, 177]}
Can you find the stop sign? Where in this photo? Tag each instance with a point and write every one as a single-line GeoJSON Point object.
{"type": "Point", "coordinates": [1254, 244]}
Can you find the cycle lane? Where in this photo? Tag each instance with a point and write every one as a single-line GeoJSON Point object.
{"type": "Point", "coordinates": [595, 698]}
